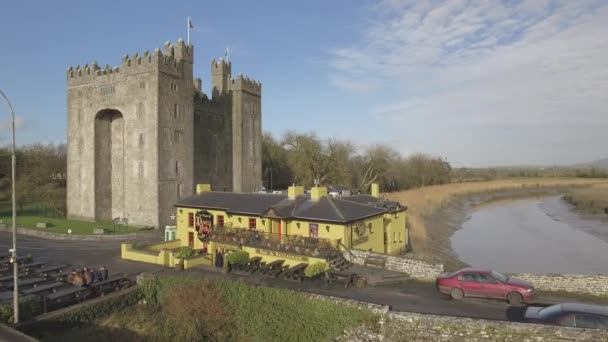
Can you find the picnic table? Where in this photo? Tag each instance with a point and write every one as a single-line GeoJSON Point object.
{"type": "Point", "coordinates": [250, 265]}
{"type": "Point", "coordinates": [66, 296]}
{"type": "Point", "coordinates": [5, 256]}
{"type": "Point", "coordinates": [42, 289]}
{"type": "Point", "coordinates": [346, 277]}
{"type": "Point", "coordinates": [20, 261]}
{"type": "Point", "coordinates": [34, 265]}
{"type": "Point", "coordinates": [295, 273]}
{"type": "Point", "coordinates": [273, 268]}
{"type": "Point", "coordinates": [59, 276]}
{"type": "Point", "coordinates": [25, 282]}
{"type": "Point", "coordinates": [45, 270]}
{"type": "Point", "coordinates": [113, 283]}
{"type": "Point", "coordinates": [6, 296]}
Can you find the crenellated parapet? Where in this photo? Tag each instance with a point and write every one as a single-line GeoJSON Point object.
{"type": "Point", "coordinates": [246, 84]}
{"type": "Point", "coordinates": [221, 67]}
{"type": "Point", "coordinates": [170, 61]}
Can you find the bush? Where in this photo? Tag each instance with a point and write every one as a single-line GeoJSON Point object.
{"type": "Point", "coordinates": [185, 252]}
{"type": "Point", "coordinates": [6, 313]}
{"type": "Point", "coordinates": [28, 308]}
{"type": "Point", "coordinates": [315, 269]}
{"type": "Point", "coordinates": [236, 257]}
{"type": "Point", "coordinates": [197, 312]}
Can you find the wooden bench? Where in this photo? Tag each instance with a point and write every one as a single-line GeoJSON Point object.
{"type": "Point", "coordinates": [43, 289]}
{"type": "Point", "coordinates": [273, 268]}
{"type": "Point", "coordinates": [346, 277]}
{"type": "Point", "coordinates": [250, 266]}
{"type": "Point", "coordinates": [59, 276]}
{"type": "Point", "coordinates": [32, 267]}
{"type": "Point", "coordinates": [295, 273]}
{"type": "Point", "coordinates": [375, 261]}
{"type": "Point", "coordinates": [5, 256]}
{"type": "Point", "coordinates": [6, 296]}
{"type": "Point", "coordinates": [20, 261]}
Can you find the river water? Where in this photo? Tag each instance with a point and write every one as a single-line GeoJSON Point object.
{"type": "Point", "coordinates": [533, 235]}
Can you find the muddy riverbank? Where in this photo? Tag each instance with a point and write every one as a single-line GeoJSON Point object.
{"type": "Point", "coordinates": [446, 220]}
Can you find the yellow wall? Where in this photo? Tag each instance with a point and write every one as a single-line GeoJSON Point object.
{"type": "Point", "coordinates": [335, 231]}
{"type": "Point", "coordinates": [396, 230]}
{"type": "Point", "coordinates": [290, 259]}
{"type": "Point", "coordinates": [164, 245]}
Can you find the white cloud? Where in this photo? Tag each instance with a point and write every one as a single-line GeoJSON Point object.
{"type": "Point", "coordinates": [484, 62]}
{"type": "Point", "coordinates": [7, 124]}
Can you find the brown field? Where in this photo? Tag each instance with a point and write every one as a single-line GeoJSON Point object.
{"type": "Point", "coordinates": [423, 203]}
{"type": "Point", "coordinates": [592, 199]}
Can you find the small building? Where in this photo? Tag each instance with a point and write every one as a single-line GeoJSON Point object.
{"type": "Point", "coordinates": [295, 227]}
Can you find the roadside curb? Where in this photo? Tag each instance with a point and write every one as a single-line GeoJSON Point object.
{"type": "Point", "coordinates": [155, 234]}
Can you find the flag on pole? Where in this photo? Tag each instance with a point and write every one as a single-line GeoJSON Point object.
{"type": "Point", "coordinates": [226, 55]}
{"type": "Point", "coordinates": [190, 23]}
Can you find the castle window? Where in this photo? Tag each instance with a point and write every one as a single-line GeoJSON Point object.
{"type": "Point", "coordinates": [107, 90]}
{"type": "Point", "coordinates": [178, 168]}
{"type": "Point", "coordinates": [178, 137]}
{"type": "Point", "coordinates": [142, 85]}
{"type": "Point", "coordinates": [140, 169]}
{"type": "Point", "coordinates": [179, 190]}
{"type": "Point", "coordinates": [140, 111]}
{"type": "Point", "coordinates": [176, 111]}
{"type": "Point", "coordinates": [141, 139]}
{"type": "Point", "coordinates": [174, 86]}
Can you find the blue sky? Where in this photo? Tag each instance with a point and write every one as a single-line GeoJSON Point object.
{"type": "Point", "coordinates": [481, 82]}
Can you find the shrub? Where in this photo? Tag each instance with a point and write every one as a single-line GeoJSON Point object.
{"type": "Point", "coordinates": [6, 313]}
{"type": "Point", "coordinates": [197, 312]}
{"type": "Point", "coordinates": [315, 269]}
{"type": "Point", "coordinates": [236, 257]}
{"type": "Point", "coordinates": [185, 252]}
{"type": "Point", "coordinates": [28, 308]}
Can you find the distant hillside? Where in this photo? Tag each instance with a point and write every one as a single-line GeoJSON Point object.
{"type": "Point", "coordinates": [600, 164]}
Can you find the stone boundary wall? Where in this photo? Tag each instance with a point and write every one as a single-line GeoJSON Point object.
{"type": "Point", "coordinates": [414, 268]}
{"type": "Point", "coordinates": [404, 326]}
{"type": "Point", "coordinates": [593, 284]}
{"type": "Point", "coordinates": [136, 237]}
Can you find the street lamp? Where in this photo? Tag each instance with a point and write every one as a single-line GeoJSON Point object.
{"type": "Point", "coordinates": [14, 249]}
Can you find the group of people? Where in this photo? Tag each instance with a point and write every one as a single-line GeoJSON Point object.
{"type": "Point", "coordinates": [87, 276]}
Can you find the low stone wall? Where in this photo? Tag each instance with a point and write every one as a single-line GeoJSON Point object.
{"type": "Point", "coordinates": [402, 326]}
{"type": "Point", "coordinates": [136, 237]}
{"type": "Point", "coordinates": [593, 284]}
{"type": "Point", "coordinates": [414, 268]}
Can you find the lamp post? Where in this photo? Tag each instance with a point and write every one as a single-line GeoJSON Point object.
{"type": "Point", "coordinates": [14, 250]}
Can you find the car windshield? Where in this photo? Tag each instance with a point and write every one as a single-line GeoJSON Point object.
{"type": "Point", "coordinates": [500, 277]}
{"type": "Point", "coordinates": [550, 311]}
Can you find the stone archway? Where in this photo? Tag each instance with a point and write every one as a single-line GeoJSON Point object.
{"type": "Point", "coordinates": [109, 164]}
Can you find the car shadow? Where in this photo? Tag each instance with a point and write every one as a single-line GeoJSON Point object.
{"type": "Point", "coordinates": [516, 313]}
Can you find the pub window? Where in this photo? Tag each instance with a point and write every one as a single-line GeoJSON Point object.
{"type": "Point", "coordinates": [175, 111]}
{"type": "Point", "coordinates": [313, 230]}
{"type": "Point", "coordinates": [220, 220]}
{"type": "Point", "coordinates": [252, 223]}
{"type": "Point", "coordinates": [179, 190]}
{"type": "Point", "coordinates": [400, 237]}
{"type": "Point", "coordinates": [190, 219]}
{"type": "Point", "coordinates": [394, 237]}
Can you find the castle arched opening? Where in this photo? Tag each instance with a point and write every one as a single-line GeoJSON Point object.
{"type": "Point", "coordinates": [109, 164]}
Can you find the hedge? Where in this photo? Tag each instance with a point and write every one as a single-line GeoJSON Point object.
{"type": "Point", "coordinates": [236, 257]}
{"type": "Point", "coordinates": [315, 269]}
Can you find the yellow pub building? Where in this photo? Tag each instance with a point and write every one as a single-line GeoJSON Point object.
{"type": "Point", "coordinates": [297, 227]}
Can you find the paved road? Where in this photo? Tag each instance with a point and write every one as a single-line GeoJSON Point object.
{"type": "Point", "coordinates": [411, 296]}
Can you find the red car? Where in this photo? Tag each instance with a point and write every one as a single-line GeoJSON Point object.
{"type": "Point", "coordinates": [477, 282]}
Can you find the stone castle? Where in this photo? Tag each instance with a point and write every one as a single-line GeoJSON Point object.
{"type": "Point", "coordinates": [142, 134]}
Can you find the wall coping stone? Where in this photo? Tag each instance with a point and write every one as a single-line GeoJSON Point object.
{"type": "Point", "coordinates": [82, 237]}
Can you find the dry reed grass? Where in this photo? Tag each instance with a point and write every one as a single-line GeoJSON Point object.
{"type": "Point", "coordinates": [424, 202]}
{"type": "Point", "coordinates": [592, 199]}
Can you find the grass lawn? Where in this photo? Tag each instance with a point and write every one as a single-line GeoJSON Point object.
{"type": "Point", "coordinates": [61, 225]}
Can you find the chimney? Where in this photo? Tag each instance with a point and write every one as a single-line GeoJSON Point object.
{"type": "Point", "coordinates": [317, 193]}
{"type": "Point", "coordinates": [200, 188]}
{"type": "Point", "coordinates": [375, 190]}
{"type": "Point", "coordinates": [295, 191]}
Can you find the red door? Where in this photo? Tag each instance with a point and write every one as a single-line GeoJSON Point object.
{"type": "Point", "coordinates": [205, 248]}
{"type": "Point", "coordinates": [279, 232]}
{"type": "Point", "coordinates": [191, 240]}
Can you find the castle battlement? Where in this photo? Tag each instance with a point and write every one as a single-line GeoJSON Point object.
{"type": "Point", "coordinates": [221, 66]}
{"type": "Point", "coordinates": [244, 83]}
{"type": "Point", "coordinates": [171, 61]}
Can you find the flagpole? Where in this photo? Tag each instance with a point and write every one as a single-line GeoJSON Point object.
{"type": "Point", "coordinates": [188, 25]}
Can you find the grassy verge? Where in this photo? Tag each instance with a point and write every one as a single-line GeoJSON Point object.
{"type": "Point", "coordinates": [424, 203]}
{"type": "Point", "coordinates": [61, 225]}
{"type": "Point", "coordinates": [193, 309]}
{"type": "Point", "coordinates": [593, 199]}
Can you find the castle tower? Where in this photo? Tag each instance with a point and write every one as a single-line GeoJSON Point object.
{"type": "Point", "coordinates": [141, 134]}
{"type": "Point", "coordinates": [130, 136]}
{"type": "Point", "coordinates": [246, 134]}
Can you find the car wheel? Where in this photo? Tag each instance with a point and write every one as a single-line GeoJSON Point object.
{"type": "Point", "coordinates": [456, 294]}
{"type": "Point", "coordinates": [515, 298]}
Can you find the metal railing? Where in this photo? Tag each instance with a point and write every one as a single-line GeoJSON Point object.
{"type": "Point", "coordinates": [315, 247]}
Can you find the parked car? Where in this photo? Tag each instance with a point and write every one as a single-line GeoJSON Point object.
{"type": "Point", "coordinates": [570, 315]}
{"type": "Point", "coordinates": [484, 283]}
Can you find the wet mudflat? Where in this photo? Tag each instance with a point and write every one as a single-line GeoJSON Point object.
{"type": "Point", "coordinates": [533, 235]}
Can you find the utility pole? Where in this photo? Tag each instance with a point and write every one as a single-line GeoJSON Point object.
{"type": "Point", "coordinates": [14, 250]}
